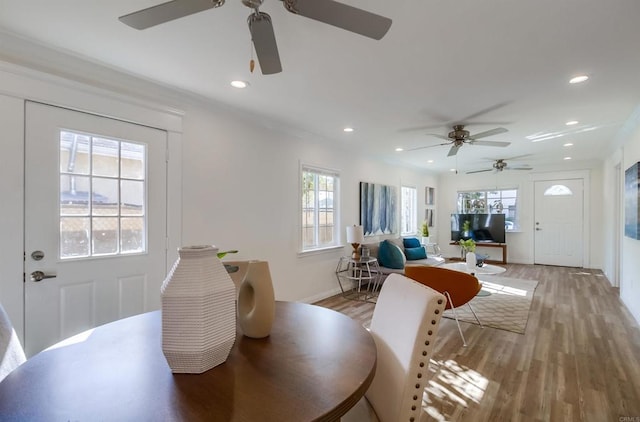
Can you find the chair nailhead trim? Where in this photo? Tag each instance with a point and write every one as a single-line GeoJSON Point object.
{"type": "Point", "coordinates": [424, 353]}
{"type": "Point", "coordinates": [421, 364]}
{"type": "Point", "coordinates": [433, 322]}
{"type": "Point", "coordinates": [415, 397]}
{"type": "Point", "coordinates": [437, 311]}
{"type": "Point", "coordinates": [439, 301]}
{"type": "Point", "coordinates": [426, 343]}
{"type": "Point", "coordinates": [418, 386]}
{"type": "Point", "coordinates": [419, 375]}
{"type": "Point", "coordinates": [411, 419]}
{"type": "Point", "coordinates": [430, 332]}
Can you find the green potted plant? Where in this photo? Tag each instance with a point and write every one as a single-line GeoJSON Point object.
{"type": "Point", "coordinates": [467, 245]}
{"type": "Point", "coordinates": [424, 231]}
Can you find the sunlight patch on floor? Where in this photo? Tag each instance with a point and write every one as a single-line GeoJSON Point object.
{"type": "Point", "coordinates": [500, 289]}
{"type": "Point", "coordinates": [452, 383]}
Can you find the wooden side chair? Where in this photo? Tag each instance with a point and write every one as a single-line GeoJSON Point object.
{"type": "Point", "coordinates": [404, 326]}
{"type": "Point", "coordinates": [11, 351]}
{"type": "Point", "coordinates": [457, 286]}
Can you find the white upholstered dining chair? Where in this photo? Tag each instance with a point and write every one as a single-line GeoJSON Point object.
{"type": "Point", "coordinates": [11, 351]}
{"type": "Point", "coordinates": [404, 326]}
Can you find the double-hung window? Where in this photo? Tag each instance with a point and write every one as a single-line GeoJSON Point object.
{"type": "Point", "coordinates": [319, 196]}
{"type": "Point", "coordinates": [497, 201]}
{"type": "Point", "coordinates": [409, 214]}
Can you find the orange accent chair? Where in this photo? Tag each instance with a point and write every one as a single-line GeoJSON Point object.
{"type": "Point", "coordinates": [458, 287]}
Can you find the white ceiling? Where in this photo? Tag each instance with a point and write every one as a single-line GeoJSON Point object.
{"type": "Point", "coordinates": [489, 63]}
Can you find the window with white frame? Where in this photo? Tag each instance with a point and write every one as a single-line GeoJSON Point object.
{"type": "Point", "coordinates": [409, 211]}
{"type": "Point", "coordinates": [102, 196]}
{"type": "Point", "coordinates": [319, 213]}
{"type": "Point", "coordinates": [496, 201]}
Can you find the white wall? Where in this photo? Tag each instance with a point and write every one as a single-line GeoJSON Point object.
{"type": "Point", "coordinates": [241, 185]}
{"type": "Point", "coordinates": [237, 185]}
{"type": "Point", "coordinates": [627, 155]}
{"type": "Point", "coordinates": [520, 244]}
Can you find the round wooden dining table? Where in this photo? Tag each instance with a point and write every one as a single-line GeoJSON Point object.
{"type": "Point", "coordinates": [315, 365]}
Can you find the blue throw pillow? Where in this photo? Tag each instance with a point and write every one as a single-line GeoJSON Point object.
{"type": "Point", "coordinates": [411, 242]}
{"type": "Point", "coordinates": [415, 253]}
{"type": "Point", "coordinates": [390, 255]}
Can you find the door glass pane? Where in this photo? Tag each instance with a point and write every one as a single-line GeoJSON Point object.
{"type": "Point", "coordinates": [104, 234]}
{"type": "Point", "coordinates": [132, 239]}
{"type": "Point", "coordinates": [132, 194]}
{"type": "Point", "coordinates": [74, 153]}
{"type": "Point", "coordinates": [74, 195]}
{"type": "Point", "coordinates": [74, 237]}
{"type": "Point", "coordinates": [132, 165]}
{"type": "Point", "coordinates": [105, 157]}
{"type": "Point", "coordinates": [110, 192]}
{"type": "Point", "coordinates": [104, 196]}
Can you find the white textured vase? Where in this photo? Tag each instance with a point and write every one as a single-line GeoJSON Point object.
{"type": "Point", "coordinates": [471, 261]}
{"type": "Point", "coordinates": [256, 300]}
{"type": "Point", "coordinates": [198, 311]}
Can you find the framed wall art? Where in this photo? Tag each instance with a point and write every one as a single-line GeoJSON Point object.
{"type": "Point", "coordinates": [632, 201]}
{"type": "Point", "coordinates": [378, 209]}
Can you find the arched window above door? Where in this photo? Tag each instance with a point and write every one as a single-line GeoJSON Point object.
{"type": "Point", "coordinates": [558, 190]}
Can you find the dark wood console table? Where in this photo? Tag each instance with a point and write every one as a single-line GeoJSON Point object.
{"type": "Point", "coordinates": [502, 246]}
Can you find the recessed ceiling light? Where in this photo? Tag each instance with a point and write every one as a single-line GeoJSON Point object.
{"type": "Point", "coordinates": [578, 79]}
{"type": "Point", "coordinates": [399, 149]}
{"type": "Point", "coordinates": [567, 158]}
{"type": "Point", "coordinates": [348, 129]}
{"type": "Point", "coordinates": [429, 161]}
{"type": "Point", "coordinates": [452, 169]}
{"type": "Point", "coordinates": [239, 84]}
{"type": "Point", "coordinates": [568, 144]}
{"type": "Point", "coordinates": [572, 122]}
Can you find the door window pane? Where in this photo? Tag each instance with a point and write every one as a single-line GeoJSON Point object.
{"type": "Point", "coordinates": [105, 157]}
{"type": "Point", "coordinates": [104, 180]}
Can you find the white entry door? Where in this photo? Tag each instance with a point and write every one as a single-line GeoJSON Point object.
{"type": "Point", "coordinates": [559, 217]}
{"type": "Point", "coordinates": [95, 222]}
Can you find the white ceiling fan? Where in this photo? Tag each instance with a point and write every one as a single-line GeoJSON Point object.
{"type": "Point", "coordinates": [459, 136]}
{"type": "Point", "coordinates": [264, 41]}
{"type": "Point", "coordinates": [500, 164]}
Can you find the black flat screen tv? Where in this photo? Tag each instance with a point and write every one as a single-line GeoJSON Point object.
{"type": "Point", "coordinates": [488, 228]}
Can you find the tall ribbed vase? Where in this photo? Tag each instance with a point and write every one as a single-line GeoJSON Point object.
{"type": "Point", "coordinates": [198, 311]}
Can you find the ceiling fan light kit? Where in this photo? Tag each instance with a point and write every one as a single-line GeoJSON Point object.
{"type": "Point", "coordinates": [263, 37]}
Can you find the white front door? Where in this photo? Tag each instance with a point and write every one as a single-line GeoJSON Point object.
{"type": "Point", "coordinates": [95, 221]}
{"type": "Point", "coordinates": [559, 216]}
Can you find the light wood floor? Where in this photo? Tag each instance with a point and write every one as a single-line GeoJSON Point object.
{"type": "Point", "coordinates": [579, 359]}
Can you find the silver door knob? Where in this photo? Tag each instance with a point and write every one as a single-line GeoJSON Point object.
{"type": "Point", "coordinates": [39, 276]}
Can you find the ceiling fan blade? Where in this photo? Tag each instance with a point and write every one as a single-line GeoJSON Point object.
{"type": "Point", "coordinates": [510, 158]}
{"type": "Point", "coordinates": [454, 150]}
{"type": "Point", "coordinates": [488, 133]}
{"type": "Point", "coordinates": [165, 12]}
{"type": "Point", "coordinates": [342, 16]}
{"type": "Point", "coordinates": [491, 143]}
{"type": "Point", "coordinates": [519, 168]}
{"type": "Point", "coordinates": [479, 171]}
{"type": "Point", "coordinates": [446, 138]}
{"type": "Point", "coordinates": [428, 146]}
{"type": "Point", "coordinates": [264, 42]}
{"type": "Point", "coordinates": [486, 110]}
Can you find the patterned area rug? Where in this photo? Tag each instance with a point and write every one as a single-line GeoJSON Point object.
{"type": "Point", "coordinates": [506, 307]}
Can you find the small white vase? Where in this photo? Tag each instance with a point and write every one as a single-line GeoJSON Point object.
{"type": "Point", "coordinates": [198, 311]}
{"type": "Point", "coordinates": [256, 301]}
{"type": "Point", "coordinates": [425, 240]}
{"type": "Point", "coordinates": [471, 261]}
